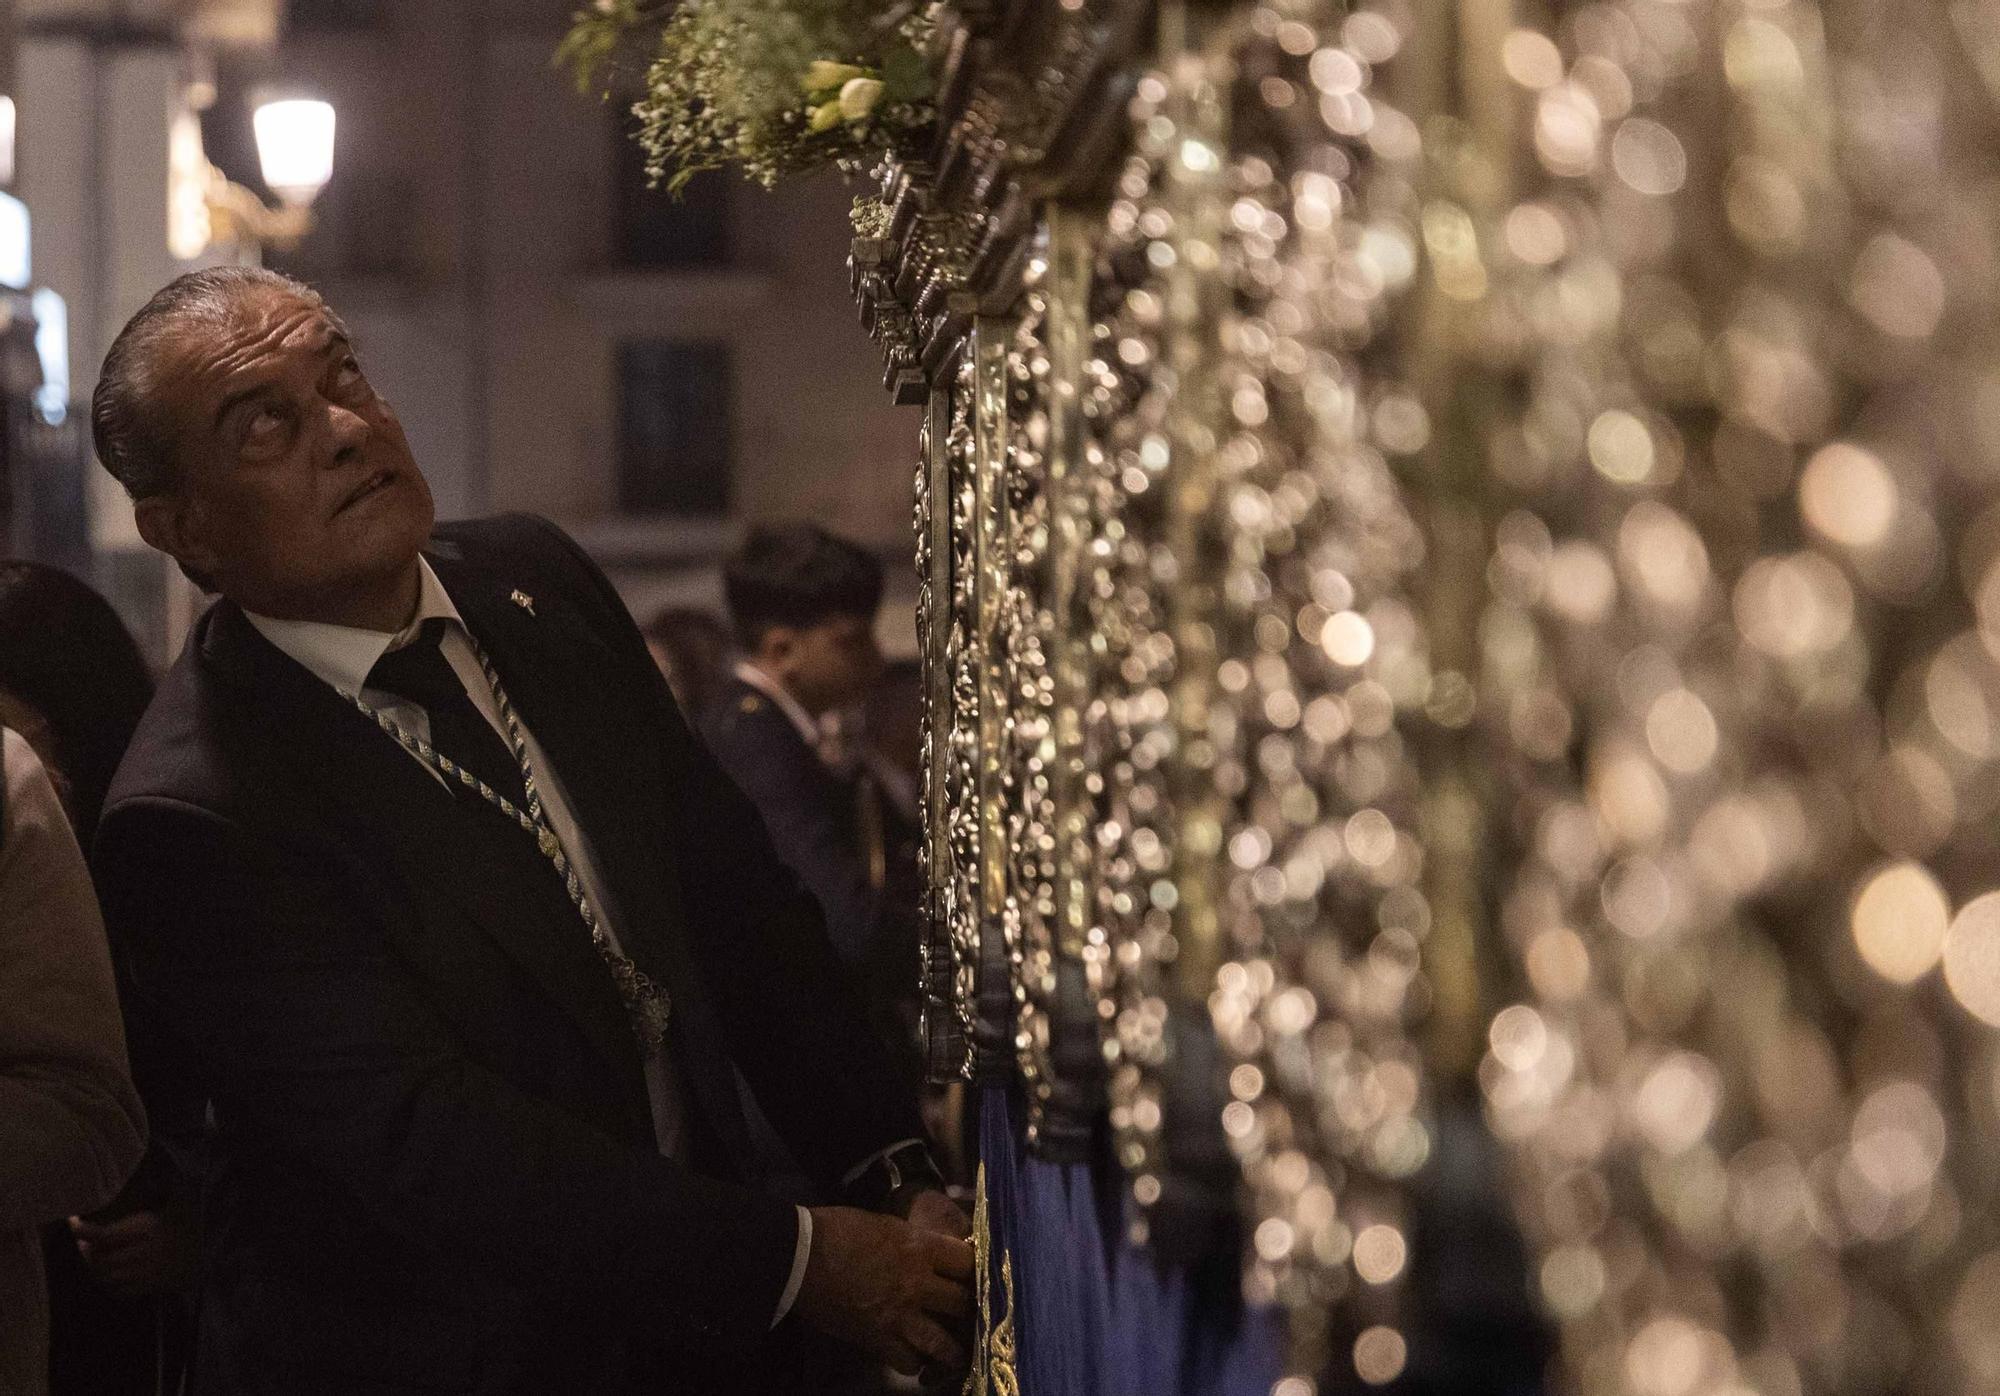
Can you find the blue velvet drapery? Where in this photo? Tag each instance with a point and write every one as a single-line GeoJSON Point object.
{"type": "Point", "coordinates": [1096, 1315]}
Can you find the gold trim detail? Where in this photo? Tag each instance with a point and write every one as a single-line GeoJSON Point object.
{"type": "Point", "coordinates": [994, 1350]}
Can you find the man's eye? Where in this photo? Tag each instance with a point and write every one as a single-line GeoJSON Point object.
{"type": "Point", "coordinates": [263, 425]}
{"type": "Point", "coordinates": [348, 374]}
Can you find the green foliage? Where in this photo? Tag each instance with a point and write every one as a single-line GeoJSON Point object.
{"type": "Point", "coordinates": [772, 87]}
{"type": "Point", "coordinates": [598, 33]}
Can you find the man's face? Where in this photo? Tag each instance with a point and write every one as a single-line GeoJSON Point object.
{"type": "Point", "coordinates": [296, 492]}
{"type": "Point", "coordinates": [830, 664]}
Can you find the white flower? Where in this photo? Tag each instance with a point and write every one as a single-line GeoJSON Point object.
{"type": "Point", "coordinates": [824, 75]}
{"type": "Point", "coordinates": [824, 117]}
{"type": "Point", "coordinates": [858, 97]}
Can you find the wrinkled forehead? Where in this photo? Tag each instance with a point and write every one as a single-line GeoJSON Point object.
{"type": "Point", "coordinates": [256, 332]}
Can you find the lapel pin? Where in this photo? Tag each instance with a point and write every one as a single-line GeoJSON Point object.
{"type": "Point", "coordinates": [524, 601]}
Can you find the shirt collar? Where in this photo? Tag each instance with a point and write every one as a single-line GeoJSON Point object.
{"type": "Point", "coordinates": [342, 655]}
{"type": "Point", "coordinates": [807, 724]}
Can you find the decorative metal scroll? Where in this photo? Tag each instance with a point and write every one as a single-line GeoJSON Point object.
{"type": "Point", "coordinates": [948, 616]}
{"type": "Point", "coordinates": [985, 379]}
{"type": "Point", "coordinates": [1298, 916]}
{"type": "Point", "coordinates": [1127, 730]}
{"type": "Point", "coordinates": [1031, 107]}
{"type": "Point", "coordinates": [1172, 811]}
{"type": "Point", "coordinates": [946, 1021]}
{"type": "Point", "coordinates": [1022, 642]}
{"type": "Point", "coordinates": [1070, 976]}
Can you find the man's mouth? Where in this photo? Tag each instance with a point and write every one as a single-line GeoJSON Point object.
{"type": "Point", "coordinates": [367, 489]}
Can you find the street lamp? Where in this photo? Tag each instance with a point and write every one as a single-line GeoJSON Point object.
{"type": "Point", "coordinates": [295, 147]}
{"type": "Point", "coordinates": [295, 150]}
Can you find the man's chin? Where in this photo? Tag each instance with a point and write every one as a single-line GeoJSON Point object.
{"type": "Point", "coordinates": [399, 515]}
{"type": "Point", "coordinates": [385, 544]}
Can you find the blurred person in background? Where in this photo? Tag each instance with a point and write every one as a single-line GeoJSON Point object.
{"type": "Point", "coordinates": [691, 646]}
{"type": "Point", "coordinates": [803, 605]}
{"type": "Point", "coordinates": [120, 1279]}
{"type": "Point", "coordinates": [71, 1127]}
{"type": "Point", "coordinates": [65, 653]}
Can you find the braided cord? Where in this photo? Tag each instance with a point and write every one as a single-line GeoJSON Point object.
{"type": "Point", "coordinates": [647, 1002]}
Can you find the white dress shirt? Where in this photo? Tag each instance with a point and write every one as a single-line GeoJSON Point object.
{"type": "Point", "coordinates": [343, 655]}
{"type": "Point", "coordinates": [895, 786]}
{"type": "Point", "coordinates": [781, 698]}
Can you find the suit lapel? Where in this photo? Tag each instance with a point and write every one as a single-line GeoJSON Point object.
{"type": "Point", "coordinates": [555, 669]}
{"type": "Point", "coordinates": [550, 664]}
{"type": "Point", "coordinates": [452, 857]}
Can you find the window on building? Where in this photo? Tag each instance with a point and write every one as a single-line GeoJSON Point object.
{"type": "Point", "coordinates": [655, 229]}
{"type": "Point", "coordinates": [675, 400]}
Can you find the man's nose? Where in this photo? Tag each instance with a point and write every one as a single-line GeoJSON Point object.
{"type": "Point", "coordinates": [348, 433]}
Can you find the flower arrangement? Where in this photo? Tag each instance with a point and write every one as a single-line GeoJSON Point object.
{"type": "Point", "coordinates": [773, 87]}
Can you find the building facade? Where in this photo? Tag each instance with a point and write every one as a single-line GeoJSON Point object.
{"type": "Point", "coordinates": [650, 374]}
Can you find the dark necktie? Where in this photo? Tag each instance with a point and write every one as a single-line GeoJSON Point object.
{"type": "Point", "coordinates": [420, 673]}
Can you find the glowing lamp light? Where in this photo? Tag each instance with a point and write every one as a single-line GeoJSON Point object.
{"type": "Point", "coordinates": [52, 348]}
{"type": "Point", "coordinates": [14, 243]}
{"type": "Point", "coordinates": [295, 147]}
{"type": "Point", "coordinates": [6, 140]}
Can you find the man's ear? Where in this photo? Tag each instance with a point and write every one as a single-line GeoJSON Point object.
{"type": "Point", "coordinates": [776, 651]}
{"type": "Point", "coordinates": [776, 640]}
{"type": "Point", "coordinates": [172, 525]}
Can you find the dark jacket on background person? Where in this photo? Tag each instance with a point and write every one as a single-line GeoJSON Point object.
{"type": "Point", "coordinates": [434, 1163]}
{"type": "Point", "coordinates": [843, 839]}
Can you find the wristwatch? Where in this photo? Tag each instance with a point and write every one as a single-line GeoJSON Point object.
{"type": "Point", "coordinates": [892, 1182]}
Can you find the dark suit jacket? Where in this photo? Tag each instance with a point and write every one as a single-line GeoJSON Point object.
{"type": "Point", "coordinates": [815, 815]}
{"type": "Point", "coordinates": [434, 1163]}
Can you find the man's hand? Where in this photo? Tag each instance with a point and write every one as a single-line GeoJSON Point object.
{"type": "Point", "coordinates": [933, 1210]}
{"type": "Point", "coordinates": [145, 1252]}
{"type": "Point", "coordinates": [886, 1286]}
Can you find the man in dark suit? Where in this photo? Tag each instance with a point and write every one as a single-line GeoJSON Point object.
{"type": "Point", "coordinates": [467, 932]}
{"type": "Point", "coordinates": [803, 605]}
